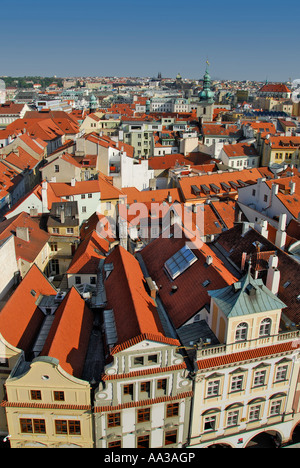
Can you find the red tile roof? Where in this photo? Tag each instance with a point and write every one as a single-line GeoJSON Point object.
{"type": "Point", "coordinates": [240, 149]}
{"type": "Point", "coordinates": [87, 256]}
{"type": "Point", "coordinates": [190, 296]}
{"type": "Point", "coordinates": [69, 335]}
{"type": "Point", "coordinates": [107, 190]}
{"type": "Point", "coordinates": [148, 402]}
{"type": "Point", "coordinates": [275, 88]}
{"type": "Point", "coordinates": [134, 310]}
{"type": "Point", "coordinates": [186, 183]}
{"type": "Point", "coordinates": [37, 237]}
{"type": "Point", "coordinates": [20, 318]}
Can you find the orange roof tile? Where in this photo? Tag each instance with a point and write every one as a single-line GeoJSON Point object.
{"type": "Point", "coordinates": [134, 310]}
{"type": "Point", "coordinates": [87, 256]}
{"type": "Point", "coordinates": [191, 294]}
{"type": "Point", "coordinates": [69, 335]}
{"type": "Point", "coordinates": [20, 318]}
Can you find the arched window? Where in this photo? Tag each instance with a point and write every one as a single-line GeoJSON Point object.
{"type": "Point", "coordinates": [241, 332]}
{"type": "Point", "coordinates": [265, 327]}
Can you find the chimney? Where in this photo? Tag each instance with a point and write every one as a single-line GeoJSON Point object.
{"type": "Point", "coordinates": [73, 182]}
{"type": "Point", "coordinates": [280, 238]}
{"type": "Point", "coordinates": [62, 214]}
{"type": "Point", "coordinates": [22, 233]}
{"type": "Point", "coordinates": [273, 280]}
{"type": "Point", "coordinates": [209, 260]}
{"type": "Point", "coordinates": [262, 227]}
{"type": "Point", "coordinates": [44, 197]}
{"type": "Point", "coordinates": [274, 190]}
{"type": "Point", "coordinates": [169, 198]}
{"type": "Point", "coordinates": [152, 287]}
{"type": "Point", "coordinates": [292, 187]}
{"type": "Point", "coordinates": [243, 262]}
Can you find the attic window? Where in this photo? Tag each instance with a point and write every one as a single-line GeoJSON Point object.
{"type": "Point", "coordinates": [33, 293]}
{"type": "Point", "coordinates": [206, 283]}
{"type": "Point", "coordinates": [180, 262]}
{"type": "Point", "coordinates": [286, 284]}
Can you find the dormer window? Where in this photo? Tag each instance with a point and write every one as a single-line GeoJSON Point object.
{"type": "Point", "coordinates": [241, 332]}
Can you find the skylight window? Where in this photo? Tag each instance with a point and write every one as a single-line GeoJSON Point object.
{"type": "Point", "coordinates": [180, 262]}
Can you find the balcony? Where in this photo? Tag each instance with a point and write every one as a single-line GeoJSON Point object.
{"type": "Point", "coordinates": [205, 350]}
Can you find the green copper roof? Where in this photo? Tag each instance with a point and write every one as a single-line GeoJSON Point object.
{"type": "Point", "coordinates": [247, 296]}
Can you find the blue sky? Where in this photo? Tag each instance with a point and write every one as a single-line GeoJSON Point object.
{"type": "Point", "coordinates": [254, 40]}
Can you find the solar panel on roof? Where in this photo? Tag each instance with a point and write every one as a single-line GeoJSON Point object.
{"type": "Point", "coordinates": [180, 261]}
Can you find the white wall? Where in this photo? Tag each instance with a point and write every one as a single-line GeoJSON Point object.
{"type": "Point", "coordinates": [7, 258]}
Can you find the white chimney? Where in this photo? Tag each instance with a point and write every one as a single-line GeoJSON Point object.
{"type": "Point", "coordinates": [280, 238]}
{"type": "Point", "coordinates": [22, 233]}
{"type": "Point", "coordinates": [282, 222]}
{"type": "Point", "coordinates": [293, 187]}
{"type": "Point", "coordinates": [262, 227]}
{"type": "Point", "coordinates": [44, 197]}
{"type": "Point", "coordinates": [73, 182]}
{"type": "Point", "coordinates": [209, 260]}
{"type": "Point", "coordinates": [275, 188]}
{"type": "Point", "coordinates": [273, 280]}
{"type": "Point", "coordinates": [273, 261]}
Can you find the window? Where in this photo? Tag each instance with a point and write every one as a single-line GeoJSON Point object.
{"type": "Point", "coordinates": [253, 193]}
{"type": "Point", "coordinates": [143, 441]}
{"type": "Point", "coordinates": [143, 415]}
{"type": "Point", "coordinates": [266, 198]}
{"type": "Point", "coordinates": [31, 426]}
{"type": "Point", "coordinates": [275, 407]}
{"type": "Point", "coordinates": [128, 389]}
{"type": "Point", "coordinates": [56, 168]}
{"type": "Point", "coordinates": [213, 388]}
{"type": "Point", "coordinates": [265, 327]}
{"type": "Point", "coordinates": [36, 395]}
{"type": "Point", "coordinates": [90, 195]}
{"type": "Point", "coordinates": [108, 206]}
{"type": "Point", "coordinates": [82, 196]}
{"type": "Point", "coordinates": [70, 427]}
{"type": "Point", "coordinates": [172, 410]}
{"type": "Point", "coordinates": [59, 396]}
{"type": "Point", "coordinates": [3, 362]}
{"type": "Point", "coordinates": [92, 280]}
{"type": "Point", "coordinates": [152, 359]}
{"type": "Point", "coordinates": [55, 230]}
{"type": "Point", "coordinates": [179, 262]}
{"type": "Point", "coordinates": [241, 332]}
{"type": "Point", "coordinates": [114, 419]}
{"type": "Point", "coordinates": [53, 247]}
{"type": "Point", "coordinates": [237, 383]}
{"type": "Point", "coordinates": [70, 230]}
{"type": "Point", "coordinates": [115, 444]}
{"type": "Point", "coordinates": [281, 373]}
{"type": "Point", "coordinates": [77, 280]}
{"type": "Point", "coordinates": [83, 209]}
{"type": "Point", "coordinates": [170, 437]}
{"type": "Point", "coordinates": [138, 361]}
{"type": "Point", "coordinates": [254, 413]}
{"type": "Point", "coordinates": [259, 378]}
{"type": "Point", "coordinates": [145, 387]}
{"type": "Point", "coordinates": [162, 384]}
{"type": "Point", "coordinates": [232, 418]}
{"type": "Point", "coordinates": [210, 423]}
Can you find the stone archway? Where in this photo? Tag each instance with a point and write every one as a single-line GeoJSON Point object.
{"type": "Point", "coordinates": [219, 446]}
{"type": "Point", "coordinates": [265, 439]}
